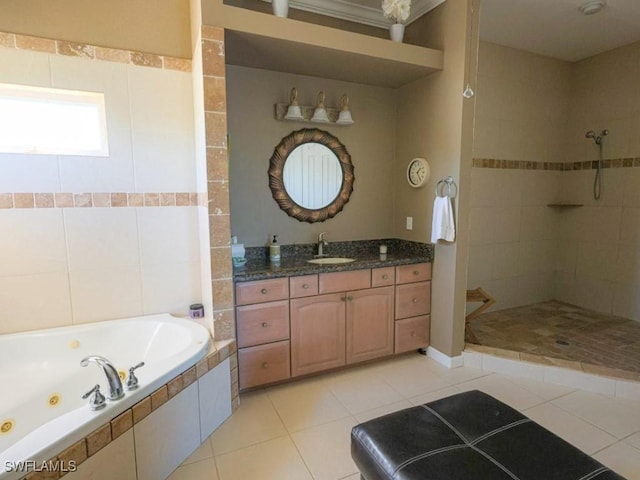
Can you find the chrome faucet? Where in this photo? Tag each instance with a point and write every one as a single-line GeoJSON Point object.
{"type": "Point", "coordinates": [321, 243]}
{"type": "Point", "coordinates": [115, 390]}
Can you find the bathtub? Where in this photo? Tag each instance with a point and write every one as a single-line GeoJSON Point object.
{"type": "Point", "coordinates": [41, 380]}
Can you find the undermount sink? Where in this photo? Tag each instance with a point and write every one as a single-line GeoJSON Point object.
{"type": "Point", "coordinates": [331, 260]}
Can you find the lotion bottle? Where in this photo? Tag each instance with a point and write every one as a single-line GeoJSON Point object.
{"type": "Point", "coordinates": [274, 250]}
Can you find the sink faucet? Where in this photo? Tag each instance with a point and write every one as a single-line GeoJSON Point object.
{"type": "Point", "coordinates": [115, 390]}
{"type": "Point", "coordinates": [321, 243]}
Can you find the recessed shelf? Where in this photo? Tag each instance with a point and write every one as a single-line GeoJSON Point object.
{"type": "Point", "coordinates": [259, 40]}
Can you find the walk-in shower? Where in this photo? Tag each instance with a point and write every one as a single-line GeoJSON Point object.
{"type": "Point", "coordinates": [597, 182]}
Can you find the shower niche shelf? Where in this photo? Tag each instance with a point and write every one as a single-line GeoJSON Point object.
{"type": "Point", "coordinates": [565, 205]}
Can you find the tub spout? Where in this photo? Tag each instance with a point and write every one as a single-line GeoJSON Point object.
{"type": "Point", "coordinates": [114, 384]}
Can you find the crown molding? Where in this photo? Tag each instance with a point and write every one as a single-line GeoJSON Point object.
{"type": "Point", "coordinates": [358, 13]}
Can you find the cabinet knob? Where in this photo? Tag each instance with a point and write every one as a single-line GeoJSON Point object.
{"type": "Point", "coordinates": [305, 286]}
{"type": "Point", "coordinates": [349, 297]}
{"type": "Point", "coordinates": [413, 334]}
{"type": "Point", "coordinates": [265, 365]}
{"type": "Point", "coordinates": [265, 324]}
{"type": "Point", "coordinates": [343, 298]}
{"type": "Point", "coordinates": [416, 272]}
{"type": "Point", "coordinates": [414, 300]}
{"type": "Point", "coordinates": [385, 276]}
{"type": "Point", "coordinates": [263, 291]}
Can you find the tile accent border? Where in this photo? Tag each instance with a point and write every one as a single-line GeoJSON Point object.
{"type": "Point", "coordinates": [102, 199]}
{"type": "Point", "coordinates": [93, 52]}
{"type": "Point", "coordinates": [559, 166]}
{"type": "Point", "coordinates": [104, 435]}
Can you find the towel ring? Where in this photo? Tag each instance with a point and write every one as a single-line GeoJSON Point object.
{"type": "Point", "coordinates": [446, 188]}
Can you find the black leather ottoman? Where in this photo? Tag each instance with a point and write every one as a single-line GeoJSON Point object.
{"type": "Point", "coordinates": [469, 436]}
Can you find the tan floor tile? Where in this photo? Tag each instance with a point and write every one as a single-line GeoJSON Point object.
{"type": "Point", "coordinates": [306, 404]}
{"type": "Point", "coordinates": [201, 470]}
{"type": "Point", "coordinates": [365, 392]}
{"type": "Point", "coordinates": [504, 390]}
{"type": "Point", "coordinates": [203, 452]}
{"type": "Point", "coordinates": [582, 434]}
{"type": "Point", "coordinates": [276, 459]}
{"type": "Point", "coordinates": [255, 421]}
{"type": "Point", "coordinates": [621, 458]}
{"type": "Point", "coordinates": [326, 449]}
{"type": "Point", "coordinates": [380, 411]}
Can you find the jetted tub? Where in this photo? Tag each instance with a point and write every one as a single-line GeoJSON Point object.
{"type": "Point", "coordinates": [41, 381]}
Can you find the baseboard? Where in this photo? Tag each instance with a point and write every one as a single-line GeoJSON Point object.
{"type": "Point", "coordinates": [442, 359]}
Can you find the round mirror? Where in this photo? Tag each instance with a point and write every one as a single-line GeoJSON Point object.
{"type": "Point", "coordinates": [311, 175]}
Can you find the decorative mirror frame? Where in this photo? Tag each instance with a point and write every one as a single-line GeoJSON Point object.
{"type": "Point", "coordinates": [276, 179]}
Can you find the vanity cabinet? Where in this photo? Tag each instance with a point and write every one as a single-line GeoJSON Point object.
{"type": "Point", "coordinates": [412, 307]}
{"type": "Point", "coordinates": [289, 327]}
{"type": "Point", "coordinates": [262, 330]}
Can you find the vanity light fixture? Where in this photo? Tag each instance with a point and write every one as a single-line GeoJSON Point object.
{"type": "Point", "coordinates": [293, 111]}
{"type": "Point", "coordinates": [344, 118]}
{"type": "Point", "coordinates": [320, 113]}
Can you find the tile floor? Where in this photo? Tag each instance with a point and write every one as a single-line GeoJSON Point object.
{"type": "Point", "coordinates": [556, 330]}
{"type": "Point", "coordinates": [300, 430]}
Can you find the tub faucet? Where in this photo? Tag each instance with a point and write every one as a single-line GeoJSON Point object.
{"type": "Point", "coordinates": [321, 243]}
{"type": "Point", "coordinates": [114, 384]}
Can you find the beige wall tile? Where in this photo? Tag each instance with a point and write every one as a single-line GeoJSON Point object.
{"type": "Point", "coordinates": [112, 55]}
{"type": "Point", "coordinates": [215, 97]}
{"type": "Point", "coordinates": [76, 453]}
{"type": "Point", "coordinates": [23, 200]}
{"type": "Point", "coordinates": [146, 59]}
{"type": "Point", "coordinates": [159, 397]}
{"type": "Point", "coordinates": [217, 164]}
{"type": "Point", "coordinates": [34, 43]}
{"type": "Point", "coordinates": [174, 63]}
{"type": "Point", "coordinates": [75, 49]}
{"type": "Point", "coordinates": [216, 129]}
{"type": "Point", "coordinates": [6, 200]}
{"type": "Point", "coordinates": [98, 439]}
{"type": "Point", "coordinates": [121, 423]}
{"type": "Point", "coordinates": [141, 409]}
{"type": "Point", "coordinates": [44, 200]}
{"type": "Point", "coordinates": [213, 58]}
{"type": "Point", "coordinates": [7, 40]}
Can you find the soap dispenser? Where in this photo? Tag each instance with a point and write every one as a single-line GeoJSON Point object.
{"type": "Point", "coordinates": [274, 250]}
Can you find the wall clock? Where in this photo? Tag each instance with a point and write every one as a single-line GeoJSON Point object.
{"type": "Point", "coordinates": [418, 172]}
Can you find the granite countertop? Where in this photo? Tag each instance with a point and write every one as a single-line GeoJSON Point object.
{"type": "Point", "coordinates": [366, 253]}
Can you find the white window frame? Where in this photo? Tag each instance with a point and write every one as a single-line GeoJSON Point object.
{"type": "Point", "coordinates": [52, 121]}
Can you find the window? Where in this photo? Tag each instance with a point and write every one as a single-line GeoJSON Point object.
{"type": "Point", "coordinates": [52, 121]}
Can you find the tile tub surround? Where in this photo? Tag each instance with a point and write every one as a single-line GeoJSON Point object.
{"type": "Point", "coordinates": [104, 435]}
{"type": "Point", "coordinates": [366, 253]}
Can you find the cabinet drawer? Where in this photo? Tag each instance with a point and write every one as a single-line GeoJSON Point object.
{"type": "Point", "coordinates": [263, 364]}
{"type": "Point", "coordinates": [412, 333]}
{"type": "Point", "coordinates": [343, 281]}
{"type": "Point", "coordinates": [262, 291]}
{"type": "Point", "coordinates": [418, 272]}
{"type": "Point", "coordinates": [303, 286]}
{"type": "Point", "coordinates": [262, 323]}
{"type": "Point", "coordinates": [381, 277]}
{"type": "Point", "coordinates": [413, 299]}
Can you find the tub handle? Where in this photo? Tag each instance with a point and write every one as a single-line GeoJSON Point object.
{"type": "Point", "coordinates": [132, 380]}
{"type": "Point", "coordinates": [96, 399]}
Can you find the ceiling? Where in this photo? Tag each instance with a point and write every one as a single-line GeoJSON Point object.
{"type": "Point", "coordinates": [554, 28]}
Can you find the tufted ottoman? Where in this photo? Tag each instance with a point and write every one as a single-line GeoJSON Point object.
{"type": "Point", "coordinates": [469, 436]}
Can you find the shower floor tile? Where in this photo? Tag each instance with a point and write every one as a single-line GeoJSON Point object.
{"type": "Point", "coordinates": [556, 333]}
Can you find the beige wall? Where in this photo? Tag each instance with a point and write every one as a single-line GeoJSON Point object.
{"type": "Point", "coordinates": [254, 133]}
{"type": "Point", "coordinates": [521, 250]}
{"type": "Point", "coordinates": [160, 27]}
{"type": "Point", "coordinates": [434, 122]}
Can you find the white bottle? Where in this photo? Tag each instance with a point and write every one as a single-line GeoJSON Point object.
{"type": "Point", "coordinates": [274, 250]}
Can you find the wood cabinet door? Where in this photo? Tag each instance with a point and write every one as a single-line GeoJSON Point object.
{"type": "Point", "coordinates": [317, 333]}
{"type": "Point", "coordinates": [369, 324]}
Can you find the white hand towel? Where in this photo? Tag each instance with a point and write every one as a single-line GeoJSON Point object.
{"type": "Point", "coordinates": [443, 226]}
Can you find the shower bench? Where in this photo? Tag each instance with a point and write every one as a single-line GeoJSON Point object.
{"type": "Point", "coordinates": [470, 435]}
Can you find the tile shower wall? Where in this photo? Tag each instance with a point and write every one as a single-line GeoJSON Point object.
{"type": "Point", "coordinates": [126, 255]}
{"type": "Point", "coordinates": [522, 251]}
{"type": "Point", "coordinates": [520, 113]}
{"type": "Point", "coordinates": [600, 242]}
